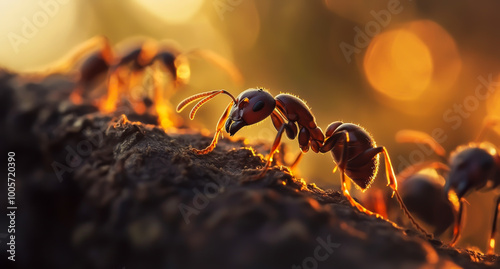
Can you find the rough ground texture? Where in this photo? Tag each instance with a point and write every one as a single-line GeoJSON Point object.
{"type": "Point", "coordinates": [100, 191]}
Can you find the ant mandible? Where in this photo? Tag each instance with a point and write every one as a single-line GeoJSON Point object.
{"type": "Point", "coordinates": [353, 149]}
{"type": "Point", "coordinates": [472, 167]}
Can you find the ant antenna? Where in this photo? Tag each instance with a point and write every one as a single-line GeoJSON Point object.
{"type": "Point", "coordinates": [206, 97]}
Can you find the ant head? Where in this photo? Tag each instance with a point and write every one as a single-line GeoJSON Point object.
{"type": "Point", "coordinates": [251, 106]}
{"type": "Point", "coordinates": [470, 169]}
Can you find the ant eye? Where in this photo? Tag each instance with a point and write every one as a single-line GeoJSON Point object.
{"type": "Point", "coordinates": [258, 106]}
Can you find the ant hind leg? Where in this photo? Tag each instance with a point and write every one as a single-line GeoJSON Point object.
{"type": "Point", "coordinates": [393, 184]}
{"type": "Point", "coordinates": [218, 131]}
{"type": "Point", "coordinates": [345, 185]}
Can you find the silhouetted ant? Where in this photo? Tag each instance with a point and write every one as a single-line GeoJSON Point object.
{"type": "Point", "coordinates": [472, 167]}
{"type": "Point", "coordinates": [353, 149]}
{"type": "Point", "coordinates": [95, 61]}
{"type": "Point", "coordinates": [422, 189]}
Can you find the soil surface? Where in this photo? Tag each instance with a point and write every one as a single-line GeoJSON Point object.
{"type": "Point", "coordinates": [104, 191]}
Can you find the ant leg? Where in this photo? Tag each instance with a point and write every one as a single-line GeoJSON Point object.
{"type": "Point", "coordinates": [220, 62]}
{"type": "Point", "coordinates": [487, 125]}
{"type": "Point", "coordinates": [393, 184]}
{"type": "Point", "coordinates": [218, 131]}
{"type": "Point", "coordinates": [279, 122]}
{"type": "Point", "coordinates": [205, 96]}
{"type": "Point", "coordinates": [491, 245]}
{"type": "Point", "coordinates": [412, 169]}
{"type": "Point", "coordinates": [276, 144]}
{"type": "Point", "coordinates": [296, 162]}
{"type": "Point", "coordinates": [101, 43]}
{"type": "Point", "coordinates": [457, 229]}
{"type": "Point", "coordinates": [345, 185]}
{"type": "Point", "coordinates": [391, 180]}
{"type": "Point", "coordinates": [411, 136]}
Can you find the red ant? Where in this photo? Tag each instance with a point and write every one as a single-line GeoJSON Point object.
{"type": "Point", "coordinates": [472, 167]}
{"type": "Point", "coordinates": [353, 149]}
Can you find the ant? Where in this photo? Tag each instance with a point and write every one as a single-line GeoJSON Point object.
{"type": "Point", "coordinates": [472, 167]}
{"type": "Point", "coordinates": [96, 61]}
{"type": "Point", "coordinates": [433, 208]}
{"type": "Point", "coordinates": [353, 149]}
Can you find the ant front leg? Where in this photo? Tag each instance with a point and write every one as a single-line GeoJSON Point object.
{"type": "Point", "coordinates": [275, 146]}
{"type": "Point", "coordinates": [114, 89]}
{"type": "Point", "coordinates": [218, 130]}
{"type": "Point", "coordinates": [290, 128]}
{"type": "Point", "coordinates": [411, 136]}
{"type": "Point", "coordinates": [491, 243]}
{"type": "Point", "coordinates": [457, 228]}
{"type": "Point", "coordinates": [414, 168]}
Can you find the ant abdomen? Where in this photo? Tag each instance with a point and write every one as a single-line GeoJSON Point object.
{"type": "Point", "coordinates": [361, 156]}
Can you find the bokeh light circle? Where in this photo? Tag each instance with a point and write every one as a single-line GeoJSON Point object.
{"type": "Point", "coordinates": [398, 64]}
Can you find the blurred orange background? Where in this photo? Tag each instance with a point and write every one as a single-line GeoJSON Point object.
{"type": "Point", "coordinates": [386, 65]}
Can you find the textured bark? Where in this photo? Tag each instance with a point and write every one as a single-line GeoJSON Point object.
{"type": "Point", "coordinates": [140, 198]}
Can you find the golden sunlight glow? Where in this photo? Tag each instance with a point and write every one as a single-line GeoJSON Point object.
{"type": "Point", "coordinates": [398, 64]}
{"type": "Point", "coordinates": [172, 11]}
{"type": "Point", "coordinates": [359, 10]}
{"type": "Point", "coordinates": [28, 45]}
{"type": "Point", "coordinates": [135, 83]}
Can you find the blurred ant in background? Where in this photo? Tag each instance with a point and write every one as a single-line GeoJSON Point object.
{"type": "Point", "coordinates": [472, 167]}
{"type": "Point", "coordinates": [433, 208]}
{"type": "Point", "coordinates": [121, 72]}
{"type": "Point", "coordinates": [353, 149]}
